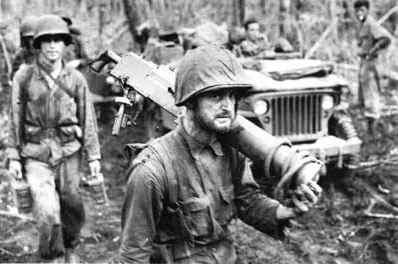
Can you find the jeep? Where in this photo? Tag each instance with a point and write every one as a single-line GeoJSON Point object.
{"type": "Point", "coordinates": [303, 101]}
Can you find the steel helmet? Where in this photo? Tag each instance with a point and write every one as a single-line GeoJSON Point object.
{"type": "Point", "coordinates": [27, 26]}
{"type": "Point", "coordinates": [208, 68]}
{"type": "Point", "coordinates": [64, 14]}
{"type": "Point", "coordinates": [51, 25]}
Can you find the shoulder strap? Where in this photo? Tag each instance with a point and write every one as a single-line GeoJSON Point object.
{"type": "Point", "coordinates": [171, 178]}
{"type": "Point", "coordinates": [132, 151]}
{"type": "Point", "coordinates": [60, 84]}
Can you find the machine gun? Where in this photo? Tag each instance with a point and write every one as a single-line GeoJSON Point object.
{"type": "Point", "coordinates": [138, 76]}
{"type": "Point", "coordinates": [157, 84]}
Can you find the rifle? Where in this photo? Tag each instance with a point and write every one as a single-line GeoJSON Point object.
{"type": "Point", "coordinates": [156, 82]}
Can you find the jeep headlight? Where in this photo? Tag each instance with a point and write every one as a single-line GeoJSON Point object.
{"type": "Point", "coordinates": [260, 107]}
{"type": "Point", "coordinates": [327, 102]}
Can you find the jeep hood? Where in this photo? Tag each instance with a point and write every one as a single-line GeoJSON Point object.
{"type": "Point", "coordinates": [294, 74]}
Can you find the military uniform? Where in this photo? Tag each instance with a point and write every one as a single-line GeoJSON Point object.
{"type": "Point", "coordinates": [182, 193]}
{"type": "Point", "coordinates": [253, 48]}
{"type": "Point", "coordinates": [213, 184]}
{"type": "Point", "coordinates": [49, 128]}
{"type": "Point", "coordinates": [371, 38]}
{"type": "Point", "coordinates": [26, 53]}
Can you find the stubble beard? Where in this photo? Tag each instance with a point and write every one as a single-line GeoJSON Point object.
{"type": "Point", "coordinates": [212, 124]}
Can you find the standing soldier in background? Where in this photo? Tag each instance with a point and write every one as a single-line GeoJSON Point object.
{"type": "Point", "coordinates": [372, 38]}
{"type": "Point", "coordinates": [52, 120]}
{"type": "Point", "coordinates": [75, 54]}
{"type": "Point", "coordinates": [26, 53]}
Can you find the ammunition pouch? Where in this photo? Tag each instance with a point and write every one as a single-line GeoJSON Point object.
{"type": "Point", "coordinates": [65, 134]}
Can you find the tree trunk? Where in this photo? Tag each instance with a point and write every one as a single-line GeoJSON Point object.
{"type": "Point", "coordinates": [132, 15]}
{"type": "Point", "coordinates": [101, 21]}
{"type": "Point", "coordinates": [263, 7]}
{"type": "Point", "coordinates": [284, 23]}
{"type": "Point", "coordinates": [238, 12]}
{"type": "Point", "coordinates": [333, 17]}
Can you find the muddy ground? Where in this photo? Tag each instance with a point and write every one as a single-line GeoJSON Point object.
{"type": "Point", "coordinates": [337, 231]}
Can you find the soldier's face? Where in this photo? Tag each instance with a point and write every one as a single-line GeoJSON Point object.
{"type": "Point", "coordinates": [215, 110]}
{"type": "Point", "coordinates": [253, 30]}
{"type": "Point", "coordinates": [361, 13]}
{"type": "Point", "coordinates": [52, 48]}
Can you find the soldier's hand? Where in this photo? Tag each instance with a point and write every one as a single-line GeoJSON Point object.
{"type": "Point", "coordinates": [306, 196]}
{"type": "Point", "coordinates": [15, 168]}
{"type": "Point", "coordinates": [95, 167]}
{"type": "Point", "coordinates": [310, 172]}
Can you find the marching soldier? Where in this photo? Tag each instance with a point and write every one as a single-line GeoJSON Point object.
{"type": "Point", "coordinates": [26, 54]}
{"type": "Point", "coordinates": [185, 188]}
{"type": "Point", "coordinates": [52, 121]}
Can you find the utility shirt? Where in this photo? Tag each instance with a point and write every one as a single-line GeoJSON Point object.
{"type": "Point", "coordinates": [253, 48]}
{"type": "Point", "coordinates": [214, 184]}
{"type": "Point", "coordinates": [369, 34]}
{"type": "Point", "coordinates": [47, 123]}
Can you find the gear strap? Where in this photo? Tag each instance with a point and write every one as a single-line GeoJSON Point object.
{"type": "Point", "coordinates": [171, 178]}
{"type": "Point", "coordinates": [59, 84]}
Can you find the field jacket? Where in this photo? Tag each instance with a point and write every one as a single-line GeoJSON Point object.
{"type": "Point", "coordinates": [49, 124]}
{"type": "Point", "coordinates": [370, 35]}
{"type": "Point", "coordinates": [213, 185]}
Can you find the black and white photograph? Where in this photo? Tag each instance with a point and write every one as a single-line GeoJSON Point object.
{"type": "Point", "coordinates": [199, 131]}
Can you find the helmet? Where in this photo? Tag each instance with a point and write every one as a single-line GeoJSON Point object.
{"type": "Point", "coordinates": [27, 27]}
{"type": "Point", "coordinates": [51, 25]}
{"type": "Point", "coordinates": [208, 68]}
{"type": "Point", "coordinates": [64, 14]}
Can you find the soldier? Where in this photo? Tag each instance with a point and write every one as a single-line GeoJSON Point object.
{"type": "Point", "coordinates": [372, 38]}
{"type": "Point", "coordinates": [255, 42]}
{"type": "Point", "coordinates": [185, 187]}
{"type": "Point", "coordinates": [75, 55]}
{"type": "Point", "coordinates": [26, 54]}
{"type": "Point", "coordinates": [52, 120]}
